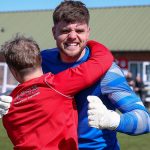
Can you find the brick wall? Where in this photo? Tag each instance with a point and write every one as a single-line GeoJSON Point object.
{"type": "Point", "coordinates": [133, 56]}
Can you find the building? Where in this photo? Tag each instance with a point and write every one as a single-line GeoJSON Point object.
{"type": "Point", "coordinates": [124, 30]}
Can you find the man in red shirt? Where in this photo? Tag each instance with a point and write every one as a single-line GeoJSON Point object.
{"type": "Point", "coordinates": [43, 114]}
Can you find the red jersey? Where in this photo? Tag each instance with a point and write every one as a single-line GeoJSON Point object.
{"type": "Point", "coordinates": [43, 114]}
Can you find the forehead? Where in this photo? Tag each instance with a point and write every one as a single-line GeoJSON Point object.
{"type": "Point", "coordinates": [63, 24]}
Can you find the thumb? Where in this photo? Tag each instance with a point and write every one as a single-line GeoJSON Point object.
{"type": "Point", "coordinates": [93, 99]}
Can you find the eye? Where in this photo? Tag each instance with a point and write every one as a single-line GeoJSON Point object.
{"type": "Point", "coordinates": [80, 31]}
{"type": "Point", "coordinates": [65, 31]}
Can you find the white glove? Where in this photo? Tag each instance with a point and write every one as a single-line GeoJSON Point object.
{"type": "Point", "coordinates": [5, 102]}
{"type": "Point", "coordinates": [99, 116]}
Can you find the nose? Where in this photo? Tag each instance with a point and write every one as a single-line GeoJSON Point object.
{"type": "Point", "coordinates": [72, 35]}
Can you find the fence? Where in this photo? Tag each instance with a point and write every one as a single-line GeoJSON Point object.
{"type": "Point", "coordinates": [7, 81]}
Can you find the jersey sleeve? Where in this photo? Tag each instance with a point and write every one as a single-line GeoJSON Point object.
{"type": "Point", "coordinates": [135, 118]}
{"type": "Point", "coordinates": [72, 80]}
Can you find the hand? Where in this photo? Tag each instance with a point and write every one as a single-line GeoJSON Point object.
{"type": "Point", "coordinates": [99, 116]}
{"type": "Point", "coordinates": [5, 102]}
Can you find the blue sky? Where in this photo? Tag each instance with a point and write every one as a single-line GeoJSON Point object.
{"type": "Point", "coordinates": [17, 5]}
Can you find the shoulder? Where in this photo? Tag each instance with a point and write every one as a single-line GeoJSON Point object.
{"type": "Point", "coordinates": [49, 52]}
{"type": "Point", "coordinates": [115, 84]}
{"type": "Point", "coordinates": [113, 76]}
{"type": "Point", "coordinates": [115, 70]}
{"type": "Point", "coordinates": [50, 55]}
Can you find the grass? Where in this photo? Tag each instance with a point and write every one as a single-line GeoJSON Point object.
{"type": "Point", "coordinates": [126, 142]}
{"type": "Point", "coordinates": [134, 142]}
{"type": "Point", "coordinates": [5, 143]}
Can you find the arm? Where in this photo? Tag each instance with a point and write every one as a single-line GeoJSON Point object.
{"type": "Point", "coordinates": [72, 80]}
{"type": "Point", "coordinates": [134, 118]}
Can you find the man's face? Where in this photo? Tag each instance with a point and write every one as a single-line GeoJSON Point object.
{"type": "Point", "coordinates": [71, 39]}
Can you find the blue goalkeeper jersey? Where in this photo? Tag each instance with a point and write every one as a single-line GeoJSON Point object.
{"type": "Point", "coordinates": [115, 93]}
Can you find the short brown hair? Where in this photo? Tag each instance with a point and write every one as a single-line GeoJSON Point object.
{"type": "Point", "coordinates": [21, 53]}
{"type": "Point", "coordinates": [71, 11]}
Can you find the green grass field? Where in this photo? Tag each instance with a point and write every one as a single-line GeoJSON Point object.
{"type": "Point", "coordinates": [141, 142]}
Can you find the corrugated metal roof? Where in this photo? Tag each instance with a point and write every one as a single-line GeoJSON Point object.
{"type": "Point", "coordinates": [36, 24]}
{"type": "Point", "coordinates": [124, 28]}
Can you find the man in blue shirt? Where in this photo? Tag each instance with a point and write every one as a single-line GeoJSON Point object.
{"type": "Point", "coordinates": [71, 31]}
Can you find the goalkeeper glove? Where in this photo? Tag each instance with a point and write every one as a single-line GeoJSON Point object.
{"type": "Point", "coordinates": [5, 102]}
{"type": "Point", "coordinates": [99, 116]}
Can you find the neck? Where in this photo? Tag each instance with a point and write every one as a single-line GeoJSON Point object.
{"type": "Point", "coordinates": [31, 75]}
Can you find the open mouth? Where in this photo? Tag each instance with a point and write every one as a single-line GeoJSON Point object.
{"type": "Point", "coordinates": [71, 45]}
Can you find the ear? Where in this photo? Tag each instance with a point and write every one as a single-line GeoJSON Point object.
{"type": "Point", "coordinates": [89, 29]}
{"type": "Point", "coordinates": [54, 32]}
